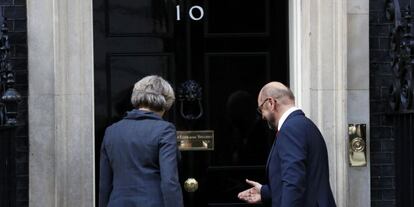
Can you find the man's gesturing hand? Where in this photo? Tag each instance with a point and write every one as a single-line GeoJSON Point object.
{"type": "Point", "coordinates": [251, 195]}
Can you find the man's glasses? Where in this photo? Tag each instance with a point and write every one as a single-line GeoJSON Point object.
{"type": "Point", "coordinates": [259, 109]}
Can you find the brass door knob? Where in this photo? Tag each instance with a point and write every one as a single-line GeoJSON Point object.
{"type": "Point", "coordinates": [191, 185]}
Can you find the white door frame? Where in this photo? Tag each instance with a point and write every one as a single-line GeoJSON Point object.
{"type": "Point", "coordinates": [318, 77]}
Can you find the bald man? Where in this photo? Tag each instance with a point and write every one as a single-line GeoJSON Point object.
{"type": "Point", "coordinates": [297, 167]}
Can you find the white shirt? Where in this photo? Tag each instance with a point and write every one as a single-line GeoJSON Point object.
{"type": "Point", "coordinates": [285, 116]}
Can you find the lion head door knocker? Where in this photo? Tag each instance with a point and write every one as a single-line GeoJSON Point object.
{"type": "Point", "coordinates": [189, 97]}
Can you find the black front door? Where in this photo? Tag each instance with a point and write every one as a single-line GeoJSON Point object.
{"type": "Point", "coordinates": [230, 48]}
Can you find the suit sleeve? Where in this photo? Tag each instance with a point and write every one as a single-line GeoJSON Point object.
{"type": "Point", "coordinates": [265, 194]}
{"type": "Point", "coordinates": [105, 178]}
{"type": "Point", "coordinates": [292, 153]}
{"type": "Point", "coordinates": [168, 151]}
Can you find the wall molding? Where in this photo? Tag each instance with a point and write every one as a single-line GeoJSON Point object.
{"type": "Point", "coordinates": [318, 77]}
{"type": "Point", "coordinates": [61, 103]}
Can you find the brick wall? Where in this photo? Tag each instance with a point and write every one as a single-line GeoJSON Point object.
{"type": "Point", "coordinates": [382, 133]}
{"type": "Point", "coordinates": [15, 11]}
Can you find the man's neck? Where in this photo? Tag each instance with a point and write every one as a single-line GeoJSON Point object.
{"type": "Point", "coordinates": [283, 110]}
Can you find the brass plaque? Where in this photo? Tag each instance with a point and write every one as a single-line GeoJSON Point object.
{"type": "Point", "coordinates": [195, 140]}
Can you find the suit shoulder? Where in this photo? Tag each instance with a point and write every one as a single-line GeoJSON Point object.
{"type": "Point", "coordinates": [302, 125]}
{"type": "Point", "coordinates": [299, 126]}
{"type": "Point", "coordinates": [297, 122]}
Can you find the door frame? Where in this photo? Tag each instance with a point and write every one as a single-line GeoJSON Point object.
{"type": "Point", "coordinates": [54, 97]}
{"type": "Point", "coordinates": [318, 77]}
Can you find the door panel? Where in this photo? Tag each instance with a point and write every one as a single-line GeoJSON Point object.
{"type": "Point", "coordinates": [232, 17]}
{"type": "Point", "coordinates": [231, 53]}
{"type": "Point", "coordinates": [138, 18]}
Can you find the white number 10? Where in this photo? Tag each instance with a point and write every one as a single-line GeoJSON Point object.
{"type": "Point", "coordinates": [191, 13]}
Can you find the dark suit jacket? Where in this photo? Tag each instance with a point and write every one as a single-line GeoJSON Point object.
{"type": "Point", "coordinates": [138, 166]}
{"type": "Point", "coordinates": [297, 167]}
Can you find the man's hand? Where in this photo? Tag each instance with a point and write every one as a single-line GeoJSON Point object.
{"type": "Point", "coordinates": [251, 195]}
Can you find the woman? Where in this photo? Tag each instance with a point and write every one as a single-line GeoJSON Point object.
{"type": "Point", "coordinates": [139, 154]}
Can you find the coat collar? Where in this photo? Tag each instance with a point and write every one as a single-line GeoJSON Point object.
{"type": "Point", "coordinates": [140, 114]}
{"type": "Point", "coordinates": [285, 116]}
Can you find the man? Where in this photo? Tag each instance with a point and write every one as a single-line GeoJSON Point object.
{"type": "Point", "coordinates": [297, 167]}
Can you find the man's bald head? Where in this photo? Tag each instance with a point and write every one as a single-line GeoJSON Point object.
{"type": "Point", "coordinates": [277, 91]}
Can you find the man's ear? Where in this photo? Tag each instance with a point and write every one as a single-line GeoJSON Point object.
{"type": "Point", "coordinates": [273, 104]}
